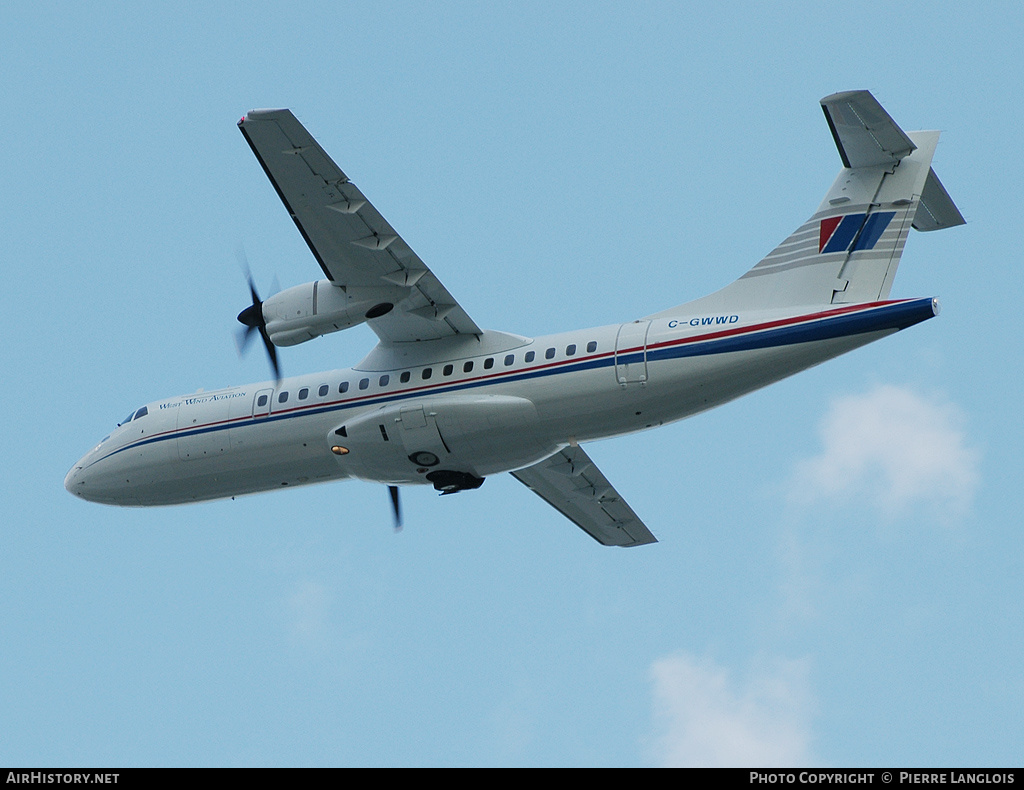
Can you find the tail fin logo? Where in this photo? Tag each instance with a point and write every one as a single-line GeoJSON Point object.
{"type": "Point", "coordinates": [852, 232]}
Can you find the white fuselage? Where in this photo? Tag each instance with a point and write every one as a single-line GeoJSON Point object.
{"type": "Point", "coordinates": [471, 405]}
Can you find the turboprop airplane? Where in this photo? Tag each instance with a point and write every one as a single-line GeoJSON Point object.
{"type": "Point", "coordinates": [440, 401]}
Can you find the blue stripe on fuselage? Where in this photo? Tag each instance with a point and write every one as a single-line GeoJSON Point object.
{"type": "Point", "coordinates": [895, 316]}
{"type": "Point", "coordinates": [888, 316]}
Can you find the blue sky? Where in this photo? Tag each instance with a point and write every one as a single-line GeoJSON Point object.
{"type": "Point", "coordinates": [838, 577]}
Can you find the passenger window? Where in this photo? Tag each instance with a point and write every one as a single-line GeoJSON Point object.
{"type": "Point", "coordinates": [303, 393]}
{"type": "Point", "coordinates": [570, 349]}
{"type": "Point", "coordinates": [364, 383]}
{"type": "Point", "coordinates": [261, 400]}
{"type": "Point", "coordinates": [405, 376]}
{"type": "Point", "coordinates": [448, 370]}
{"type": "Point", "coordinates": [467, 367]}
{"type": "Point", "coordinates": [488, 363]}
{"type": "Point", "coordinates": [384, 380]}
{"type": "Point", "coordinates": [509, 359]}
{"type": "Point", "coordinates": [343, 388]}
{"type": "Point", "coordinates": [282, 397]}
{"type": "Point", "coordinates": [549, 354]}
{"type": "Point", "coordinates": [530, 356]}
{"type": "Point", "coordinates": [323, 390]}
{"type": "Point", "coordinates": [592, 346]}
{"type": "Point", "coordinates": [427, 373]}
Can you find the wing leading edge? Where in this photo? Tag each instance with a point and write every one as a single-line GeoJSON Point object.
{"type": "Point", "coordinates": [354, 245]}
{"type": "Point", "coordinates": [571, 483]}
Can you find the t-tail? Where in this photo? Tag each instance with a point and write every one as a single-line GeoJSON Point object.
{"type": "Point", "coordinates": [848, 251]}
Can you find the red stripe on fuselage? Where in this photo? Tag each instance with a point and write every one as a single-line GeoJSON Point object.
{"type": "Point", "coordinates": [520, 371]}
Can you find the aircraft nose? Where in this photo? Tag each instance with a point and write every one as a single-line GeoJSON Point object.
{"type": "Point", "coordinates": [101, 480]}
{"type": "Point", "coordinates": [72, 481]}
{"type": "Point", "coordinates": [89, 480]}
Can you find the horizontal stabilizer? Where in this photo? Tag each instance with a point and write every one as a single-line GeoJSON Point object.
{"type": "Point", "coordinates": [936, 209]}
{"type": "Point", "coordinates": [864, 133]}
{"type": "Point", "coordinates": [848, 251]}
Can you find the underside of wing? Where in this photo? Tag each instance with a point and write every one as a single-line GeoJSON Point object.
{"type": "Point", "coordinates": [571, 483]}
{"type": "Point", "coordinates": [354, 245]}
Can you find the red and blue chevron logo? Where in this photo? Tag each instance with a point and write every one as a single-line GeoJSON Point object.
{"type": "Point", "coordinates": [852, 232]}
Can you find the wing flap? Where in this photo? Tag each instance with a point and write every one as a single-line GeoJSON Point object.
{"type": "Point", "coordinates": [570, 482]}
{"type": "Point", "coordinates": [353, 243]}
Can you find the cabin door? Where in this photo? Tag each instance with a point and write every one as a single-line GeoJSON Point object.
{"type": "Point", "coordinates": [631, 353]}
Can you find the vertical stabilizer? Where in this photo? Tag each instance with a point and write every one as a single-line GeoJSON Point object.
{"type": "Point", "coordinates": [849, 249]}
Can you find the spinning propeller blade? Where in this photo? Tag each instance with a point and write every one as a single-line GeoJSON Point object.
{"type": "Point", "coordinates": [396, 507]}
{"type": "Point", "coordinates": [252, 319]}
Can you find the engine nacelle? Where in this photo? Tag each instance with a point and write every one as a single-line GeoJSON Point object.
{"type": "Point", "coordinates": [425, 441]}
{"type": "Point", "coordinates": [304, 312]}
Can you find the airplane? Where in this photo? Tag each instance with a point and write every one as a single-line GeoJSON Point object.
{"type": "Point", "coordinates": [440, 401]}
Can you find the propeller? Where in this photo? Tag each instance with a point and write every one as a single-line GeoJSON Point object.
{"type": "Point", "coordinates": [396, 507]}
{"type": "Point", "coordinates": [253, 321]}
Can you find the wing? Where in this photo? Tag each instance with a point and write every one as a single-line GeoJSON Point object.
{"type": "Point", "coordinates": [571, 483]}
{"type": "Point", "coordinates": [352, 242]}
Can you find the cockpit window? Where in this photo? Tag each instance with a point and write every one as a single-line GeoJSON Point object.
{"type": "Point", "coordinates": [134, 415]}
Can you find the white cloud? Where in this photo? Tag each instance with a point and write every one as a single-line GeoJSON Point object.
{"type": "Point", "coordinates": [892, 449]}
{"type": "Point", "coordinates": [309, 615]}
{"type": "Point", "coordinates": [317, 627]}
{"type": "Point", "coordinates": [514, 723]}
{"type": "Point", "coordinates": [703, 718]}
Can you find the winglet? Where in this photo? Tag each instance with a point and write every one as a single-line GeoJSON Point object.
{"type": "Point", "coordinates": [863, 131]}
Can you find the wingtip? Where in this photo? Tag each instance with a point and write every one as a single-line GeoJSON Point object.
{"type": "Point", "coordinates": [843, 95]}
{"type": "Point", "coordinates": [263, 114]}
